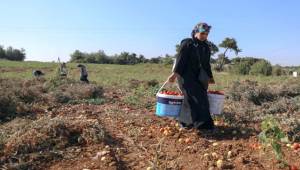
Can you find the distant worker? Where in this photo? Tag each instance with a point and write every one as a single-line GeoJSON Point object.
{"type": "Point", "coordinates": [37, 73]}
{"type": "Point", "coordinates": [83, 73]}
{"type": "Point", "coordinates": [63, 71]}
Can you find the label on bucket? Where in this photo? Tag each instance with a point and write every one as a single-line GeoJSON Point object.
{"type": "Point", "coordinates": [169, 101]}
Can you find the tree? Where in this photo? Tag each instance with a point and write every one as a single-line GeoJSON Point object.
{"type": "Point", "coordinates": [15, 54]}
{"type": "Point", "coordinates": [12, 54]}
{"type": "Point", "coordinates": [221, 61]}
{"type": "Point", "coordinates": [155, 60]}
{"type": "Point", "coordinates": [9, 53]}
{"type": "Point", "coordinates": [228, 44]}
{"type": "Point", "coordinates": [20, 54]}
{"type": "Point", "coordinates": [277, 70]}
{"type": "Point", "coordinates": [167, 60]}
{"type": "Point", "coordinates": [142, 59]}
{"type": "Point", "coordinates": [90, 58]}
{"type": "Point", "coordinates": [101, 57]}
{"type": "Point", "coordinates": [126, 58]}
{"type": "Point", "coordinates": [77, 57]}
{"type": "Point", "coordinates": [2, 52]}
{"type": "Point", "coordinates": [133, 59]}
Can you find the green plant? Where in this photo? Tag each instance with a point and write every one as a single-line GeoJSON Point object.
{"type": "Point", "coordinates": [242, 68]}
{"type": "Point", "coordinates": [250, 91]}
{"type": "Point", "coordinates": [8, 103]}
{"type": "Point", "coordinates": [261, 68]}
{"type": "Point", "coordinates": [273, 136]}
{"type": "Point", "coordinates": [278, 71]}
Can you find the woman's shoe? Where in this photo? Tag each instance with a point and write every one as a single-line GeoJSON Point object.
{"type": "Point", "coordinates": [209, 125]}
{"type": "Point", "coordinates": [185, 126]}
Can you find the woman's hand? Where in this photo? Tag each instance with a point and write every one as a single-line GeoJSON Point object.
{"type": "Point", "coordinates": [211, 81]}
{"type": "Point", "coordinates": [172, 78]}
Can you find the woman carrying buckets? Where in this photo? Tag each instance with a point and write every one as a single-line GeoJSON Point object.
{"type": "Point", "coordinates": [193, 72]}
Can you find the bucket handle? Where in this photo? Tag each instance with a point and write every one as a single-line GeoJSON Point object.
{"type": "Point", "coordinates": [167, 82]}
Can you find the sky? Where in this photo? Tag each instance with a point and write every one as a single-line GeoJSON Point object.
{"type": "Point", "coordinates": [48, 29]}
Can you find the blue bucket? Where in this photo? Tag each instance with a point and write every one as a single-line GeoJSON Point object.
{"type": "Point", "coordinates": [168, 105]}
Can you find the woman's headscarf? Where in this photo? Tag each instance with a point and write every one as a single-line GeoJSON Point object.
{"type": "Point", "coordinates": [201, 27]}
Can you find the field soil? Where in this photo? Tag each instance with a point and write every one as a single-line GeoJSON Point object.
{"type": "Point", "coordinates": [134, 139]}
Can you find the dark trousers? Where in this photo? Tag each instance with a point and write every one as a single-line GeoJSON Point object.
{"type": "Point", "coordinates": [84, 79]}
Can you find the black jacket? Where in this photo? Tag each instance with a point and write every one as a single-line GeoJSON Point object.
{"type": "Point", "coordinates": [193, 55]}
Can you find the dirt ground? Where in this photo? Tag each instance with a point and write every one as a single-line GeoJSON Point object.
{"type": "Point", "coordinates": [135, 140]}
